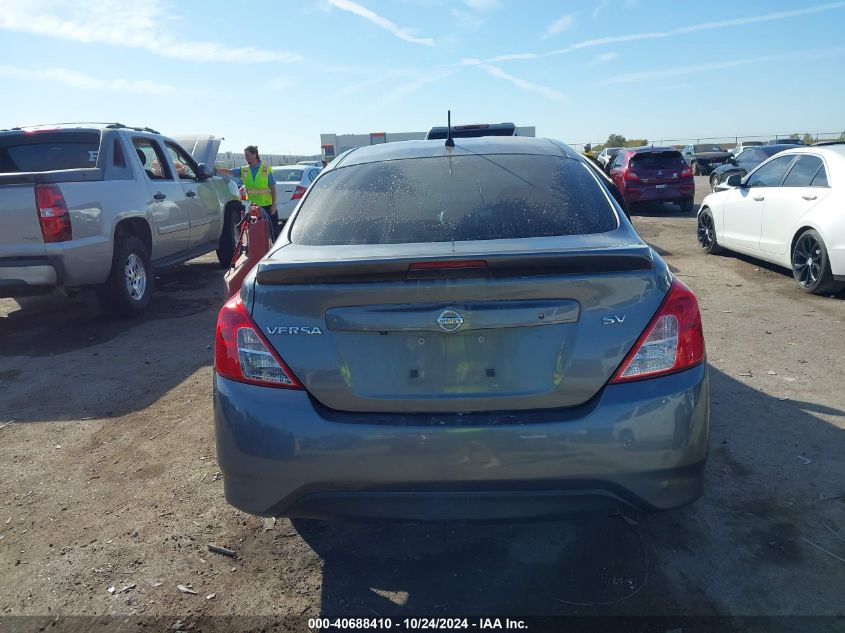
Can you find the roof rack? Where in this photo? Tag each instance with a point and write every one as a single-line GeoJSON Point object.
{"type": "Point", "coordinates": [107, 124]}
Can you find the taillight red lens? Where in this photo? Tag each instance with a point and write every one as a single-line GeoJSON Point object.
{"type": "Point", "coordinates": [298, 192]}
{"type": "Point", "coordinates": [630, 175]}
{"type": "Point", "coordinates": [241, 352]}
{"type": "Point", "coordinates": [52, 214]}
{"type": "Point", "coordinates": [687, 173]}
{"type": "Point", "coordinates": [672, 341]}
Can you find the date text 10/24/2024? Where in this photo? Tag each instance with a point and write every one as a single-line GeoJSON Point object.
{"type": "Point", "coordinates": [414, 624]}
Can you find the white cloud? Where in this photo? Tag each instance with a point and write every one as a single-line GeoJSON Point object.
{"type": "Point", "coordinates": [134, 25]}
{"type": "Point", "coordinates": [401, 32]}
{"type": "Point", "coordinates": [467, 20]}
{"type": "Point", "coordinates": [78, 80]}
{"type": "Point", "coordinates": [654, 35]}
{"type": "Point", "coordinates": [601, 6]}
{"type": "Point", "coordinates": [482, 5]}
{"type": "Point", "coordinates": [559, 26]}
{"type": "Point", "coordinates": [549, 93]}
{"type": "Point", "coordinates": [605, 58]}
{"type": "Point", "coordinates": [682, 71]}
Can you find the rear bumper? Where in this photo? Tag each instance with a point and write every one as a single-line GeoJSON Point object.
{"type": "Point", "coordinates": [640, 444]}
{"type": "Point", "coordinates": [26, 275]}
{"type": "Point", "coordinates": [652, 194]}
{"type": "Point", "coordinates": [837, 264]}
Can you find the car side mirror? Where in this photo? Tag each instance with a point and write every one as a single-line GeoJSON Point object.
{"type": "Point", "coordinates": [204, 172]}
{"type": "Point", "coordinates": [734, 180]}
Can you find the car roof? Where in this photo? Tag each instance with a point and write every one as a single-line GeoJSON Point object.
{"type": "Point", "coordinates": [291, 167]}
{"type": "Point", "coordinates": [644, 149]}
{"type": "Point", "coordinates": [400, 150]}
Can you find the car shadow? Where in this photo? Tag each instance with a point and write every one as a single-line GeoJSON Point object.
{"type": "Point", "coordinates": [774, 272]}
{"type": "Point", "coordinates": [62, 359]}
{"type": "Point", "coordinates": [710, 558]}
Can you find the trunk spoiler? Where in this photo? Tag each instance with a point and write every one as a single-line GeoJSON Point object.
{"type": "Point", "coordinates": [498, 265]}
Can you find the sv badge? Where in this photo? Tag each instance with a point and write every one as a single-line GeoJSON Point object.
{"type": "Point", "coordinates": [613, 319]}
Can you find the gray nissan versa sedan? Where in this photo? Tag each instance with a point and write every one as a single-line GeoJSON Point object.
{"type": "Point", "coordinates": [460, 333]}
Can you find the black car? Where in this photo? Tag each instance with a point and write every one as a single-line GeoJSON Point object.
{"type": "Point", "coordinates": [744, 162]}
{"type": "Point", "coordinates": [786, 141]}
{"type": "Point", "coordinates": [705, 157]}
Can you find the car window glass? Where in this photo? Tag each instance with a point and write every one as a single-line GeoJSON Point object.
{"type": "Point", "coordinates": [287, 175]}
{"type": "Point", "coordinates": [658, 160]}
{"type": "Point", "coordinates": [803, 172]}
{"type": "Point", "coordinates": [48, 151]}
{"type": "Point", "coordinates": [770, 174]}
{"type": "Point", "coordinates": [152, 159]}
{"type": "Point", "coordinates": [182, 162]}
{"type": "Point", "coordinates": [458, 198]}
{"type": "Point", "coordinates": [618, 160]}
{"type": "Point", "coordinates": [820, 180]}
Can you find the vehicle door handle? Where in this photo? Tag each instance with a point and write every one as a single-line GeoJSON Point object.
{"type": "Point", "coordinates": [190, 194]}
{"type": "Point", "coordinates": [809, 196]}
{"type": "Point", "coordinates": [159, 196]}
{"type": "Point", "coordinates": [759, 198]}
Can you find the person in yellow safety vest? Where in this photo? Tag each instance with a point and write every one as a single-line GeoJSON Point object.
{"type": "Point", "coordinates": [260, 185]}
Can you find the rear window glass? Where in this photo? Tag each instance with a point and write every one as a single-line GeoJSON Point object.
{"type": "Point", "coordinates": [658, 160]}
{"type": "Point", "coordinates": [288, 175]}
{"type": "Point", "coordinates": [48, 151]}
{"type": "Point", "coordinates": [460, 198]}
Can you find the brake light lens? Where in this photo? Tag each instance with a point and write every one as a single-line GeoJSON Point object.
{"type": "Point", "coordinates": [630, 175]}
{"type": "Point", "coordinates": [241, 352]}
{"type": "Point", "coordinates": [686, 173]}
{"type": "Point", "coordinates": [672, 341]}
{"type": "Point", "coordinates": [298, 192]}
{"type": "Point", "coordinates": [53, 215]}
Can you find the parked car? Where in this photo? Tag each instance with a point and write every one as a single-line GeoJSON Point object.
{"type": "Point", "coordinates": [105, 205]}
{"type": "Point", "coordinates": [786, 141]}
{"type": "Point", "coordinates": [705, 157]}
{"type": "Point", "coordinates": [653, 174]}
{"type": "Point", "coordinates": [473, 131]}
{"type": "Point", "coordinates": [467, 332]}
{"type": "Point", "coordinates": [743, 145]}
{"type": "Point", "coordinates": [745, 162]}
{"type": "Point", "coordinates": [787, 211]}
{"type": "Point", "coordinates": [606, 155]}
{"type": "Point", "coordinates": [291, 183]}
{"type": "Point", "coordinates": [311, 163]}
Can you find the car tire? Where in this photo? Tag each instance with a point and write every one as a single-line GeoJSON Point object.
{"type": "Point", "coordinates": [128, 289]}
{"type": "Point", "coordinates": [707, 233]}
{"type": "Point", "coordinates": [229, 236]}
{"type": "Point", "coordinates": [714, 180]}
{"type": "Point", "coordinates": [811, 265]}
{"type": "Point", "coordinates": [687, 205]}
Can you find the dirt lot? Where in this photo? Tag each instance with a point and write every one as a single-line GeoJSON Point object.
{"type": "Point", "coordinates": [108, 479]}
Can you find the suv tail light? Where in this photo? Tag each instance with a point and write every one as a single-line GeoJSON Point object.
{"type": "Point", "coordinates": [298, 192]}
{"type": "Point", "coordinates": [630, 175]}
{"type": "Point", "coordinates": [52, 214]}
{"type": "Point", "coordinates": [672, 341]}
{"type": "Point", "coordinates": [687, 172]}
{"type": "Point", "coordinates": [241, 352]}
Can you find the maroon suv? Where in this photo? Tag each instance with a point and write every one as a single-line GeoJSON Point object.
{"type": "Point", "coordinates": [653, 174]}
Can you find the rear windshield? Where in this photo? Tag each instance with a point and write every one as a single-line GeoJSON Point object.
{"type": "Point", "coordinates": [457, 198]}
{"type": "Point", "coordinates": [708, 147]}
{"type": "Point", "coordinates": [287, 175]}
{"type": "Point", "coordinates": [48, 151]}
{"type": "Point", "coordinates": [658, 160]}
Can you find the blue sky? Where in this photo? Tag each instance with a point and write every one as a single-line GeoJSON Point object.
{"type": "Point", "coordinates": [281, 74]}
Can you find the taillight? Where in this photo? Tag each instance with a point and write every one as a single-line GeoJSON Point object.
{"type": "Point", "coordinates": [630, 175]}
{"type": "Point", "coordinates": [672, 342]}
{"type": "Point", "coordinates": [242, 191]}
{"type": "Point", "coordinates": [298, 192]}
{"type": "Point", "coordinates": [52, 213]}
{"type": "Point", "coordinates": [241, 352]}
{"type": "Point", "coordinates": [687, 173]}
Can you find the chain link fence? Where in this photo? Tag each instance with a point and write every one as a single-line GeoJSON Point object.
{"type": "Point", "coordinates": [728, 142]}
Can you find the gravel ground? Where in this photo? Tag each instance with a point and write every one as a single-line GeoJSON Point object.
{"type": "Point", "coordinates": [108, 480]}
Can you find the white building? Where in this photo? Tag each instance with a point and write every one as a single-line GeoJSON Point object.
{"type": "Point", "coordinates": [335, 144]}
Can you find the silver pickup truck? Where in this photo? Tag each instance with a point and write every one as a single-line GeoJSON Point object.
{"type": "Point", "coordinates": [105, 205]}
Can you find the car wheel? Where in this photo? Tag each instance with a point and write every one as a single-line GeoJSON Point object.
{"type": "Point", "coordinates": [811, 266]}
{"type": "Point", "coordinates": [128, 290]}
{"type": "Point", "coordinates": [714, 180]}
{"type": "Point", "coordinates": [707, 233]}
{"type": "Point", "coordinates": [687, 205]}
{"type": "Point", "coordinates": [229, 236]}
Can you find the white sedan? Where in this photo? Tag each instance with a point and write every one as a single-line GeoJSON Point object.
{"type": "Point", "coordinates": [291, 183]}
{"type": "Point", "coordinates": [789, 211]}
